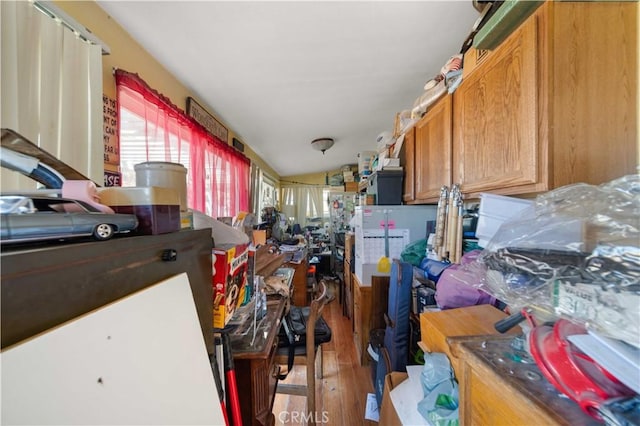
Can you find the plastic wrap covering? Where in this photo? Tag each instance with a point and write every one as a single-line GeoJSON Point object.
{"type": "Point", "coordinates": [575, 253]}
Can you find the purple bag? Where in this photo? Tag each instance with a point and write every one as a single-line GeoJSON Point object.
{"type": "Point", "coordinates": [455, 288]}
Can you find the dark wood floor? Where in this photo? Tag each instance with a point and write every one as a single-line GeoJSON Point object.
{"type": "Point", "coordinates": [341, 394]}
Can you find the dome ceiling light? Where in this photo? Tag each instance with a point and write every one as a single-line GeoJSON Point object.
{"type": "Point", "coordinates": [322, 144]}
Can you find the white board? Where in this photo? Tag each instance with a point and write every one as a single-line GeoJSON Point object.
{"type": "Point", "coordinates": [139, 360]}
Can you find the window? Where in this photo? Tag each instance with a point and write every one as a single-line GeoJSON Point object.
{"type": "Point", "coordinates": [305, 204]}
{"type": "Point", "coordinates": [153, 129]}
{"type": "Point", "coordinates": [268, 193]}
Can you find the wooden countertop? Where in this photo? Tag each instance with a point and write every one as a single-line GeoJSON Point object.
{"type": "Point", "coordinates": [519, 379]}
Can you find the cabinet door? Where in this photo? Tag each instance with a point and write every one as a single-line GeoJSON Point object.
{"type": "Point", "coordinates": [433, 150]}
{"type": "Point", "coordinates": [357, 316]}
{"type": "Point", "coordinates": [407, 159]}
{"type": "Point", "coordinates": [495, 109]}
{"type": "Point", "coordinates": [347, 309]}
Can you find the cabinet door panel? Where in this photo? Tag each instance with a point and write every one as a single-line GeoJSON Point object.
{"type": "Point", "coordinates": [433, 150]}
{"type": "Point", "coordinates": [407, 159]}
{"type": "Point", "coordinates": [496, 132]}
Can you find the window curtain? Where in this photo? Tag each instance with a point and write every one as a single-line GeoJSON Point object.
{"type": "Point", "coordinates": [217, 175]}
{"type": "Point", "coordinates": [51, 91]}
{"type": "Point", "coordinates": [301, 202]}
{"type": "Point", "coordinates": [315, 197]}
{"type": "Point", "coordinates": [256, 189]}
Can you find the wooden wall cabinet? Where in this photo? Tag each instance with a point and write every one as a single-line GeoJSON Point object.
{"type": "Point", "coordinates": [408, 161]}
{"type": "Point", "coordinates": [554, 104]}
{"type": "Point", "coordinates": [433, 151]}
{"type": "Point", "coordinates": [427, 154]}
{"type": "Point", "coordinates": [495, 143]}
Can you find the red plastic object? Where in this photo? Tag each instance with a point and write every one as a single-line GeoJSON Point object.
{"type": "Point", "coordinates": [232, 385]}
{"type": "Point", "coordinates": [570, 370]}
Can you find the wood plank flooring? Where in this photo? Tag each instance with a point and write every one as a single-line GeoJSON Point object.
{"type": "Point", "coordinates": [341, 394]}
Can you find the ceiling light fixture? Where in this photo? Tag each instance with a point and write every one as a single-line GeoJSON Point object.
{"type": "Point", "coordinates": [322, 144]}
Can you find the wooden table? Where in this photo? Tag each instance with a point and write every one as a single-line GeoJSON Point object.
{"type": "Point", "coordinates": [254, 359]}
{"type": "Point", "coordinates": [255, 366]}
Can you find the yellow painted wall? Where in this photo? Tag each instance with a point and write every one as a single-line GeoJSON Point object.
{"type": "Point", "coordinates": [311, 178]}
{"type": "Point", "coordinates": [128, 55]}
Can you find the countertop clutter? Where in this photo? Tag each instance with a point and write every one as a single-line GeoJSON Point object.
{"type": "Point", "coordinates": [567, 267]}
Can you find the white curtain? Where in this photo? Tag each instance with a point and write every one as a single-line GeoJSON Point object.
{"type": "Point", "coordinates": [51, 91]}
{"type": "Point", "coordinates": [301, 202]}
{"type": "Point", "coordinates": [256, 189]}
{"type": "Point", "coordinates": [315, 197]}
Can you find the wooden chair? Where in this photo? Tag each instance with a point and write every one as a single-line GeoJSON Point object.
{"type": "Point", "coordinates": [314, 362]}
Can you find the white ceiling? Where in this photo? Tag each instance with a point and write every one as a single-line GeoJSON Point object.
{"type": "Point", "coordinates": [281, 74]}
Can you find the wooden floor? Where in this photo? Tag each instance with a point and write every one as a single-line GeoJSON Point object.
{"type": "Point", "coordinates": [341, 394]}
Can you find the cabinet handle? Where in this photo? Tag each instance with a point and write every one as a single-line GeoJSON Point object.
{"type": "Point", "coordinates": [169, 255]}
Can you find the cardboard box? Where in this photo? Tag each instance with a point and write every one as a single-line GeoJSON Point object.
{"type": "Point", "coordinates": [388, 414]}
{"type": "Point", "coordinates": [259, 237]}
{"type": "Point", "coordinates": [229, 281]}
{"type": "Point", "coordinates": [351, 186]}
{"type": "Point", "coordinates": [436, 327]}
{"type": "Point", "coordinates": [368, 200]}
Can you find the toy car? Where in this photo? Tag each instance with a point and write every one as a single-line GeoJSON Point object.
{"type": "Point", "coordinates": [32, 218]}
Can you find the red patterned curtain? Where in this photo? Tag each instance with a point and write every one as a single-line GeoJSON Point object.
{"type": "Point", "coordinates": [154, 129]}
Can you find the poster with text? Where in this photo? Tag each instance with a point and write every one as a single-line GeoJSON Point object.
{"type": "Point", "coordinates": [110, 133]}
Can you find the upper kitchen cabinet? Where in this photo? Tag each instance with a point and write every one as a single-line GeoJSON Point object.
{"type": "Point", "coordinates": [554, 104]}
{"type": "Point", "coordinates": [426, 154]}
{"type": "Point", "coordinates": [408, 160]}
{"type": "Point", "coordinates": [433, 151]}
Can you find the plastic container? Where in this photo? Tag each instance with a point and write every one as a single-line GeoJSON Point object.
{"type": "Point", "coordinates": [387, 187]}
{"type": "Point", "coordinates": [364, 163]}
{"type": "Point", "coordinates": [165, 175]}
{"type": "Point", "coordinates": [494, 211]}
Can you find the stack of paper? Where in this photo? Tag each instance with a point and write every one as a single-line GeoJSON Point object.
{"type": "Point", "coordinates": [620, 359]}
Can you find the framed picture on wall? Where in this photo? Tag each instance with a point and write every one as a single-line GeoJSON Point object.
{"type": "Point", "coordinates": [206, 120]}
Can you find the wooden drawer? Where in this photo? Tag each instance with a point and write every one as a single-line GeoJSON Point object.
{"type": "Point", "coordinates": [437, 327]}
{"type": "Point", "coordinates": [496, 389]}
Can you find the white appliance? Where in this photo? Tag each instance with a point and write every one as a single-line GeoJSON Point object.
{"type": "Point", "coordinates": [406, 225]}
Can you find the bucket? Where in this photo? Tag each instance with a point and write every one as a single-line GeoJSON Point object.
{"type": "Point", "coordinates": [166, 175]}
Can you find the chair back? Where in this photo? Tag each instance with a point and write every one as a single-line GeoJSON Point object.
{"type": "Point", "coordinates": [317, 305]}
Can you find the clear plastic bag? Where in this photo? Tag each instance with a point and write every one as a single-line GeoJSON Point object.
{"type": "Point", "coordinates": [441, 397]}
{"type": "Point", "coordinates": [574, 253]}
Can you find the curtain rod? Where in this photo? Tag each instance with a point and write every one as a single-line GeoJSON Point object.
{"type": "Point", "coordinates": [48, 8]}
{"type": "Point", "coordinates": [303, 183]}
